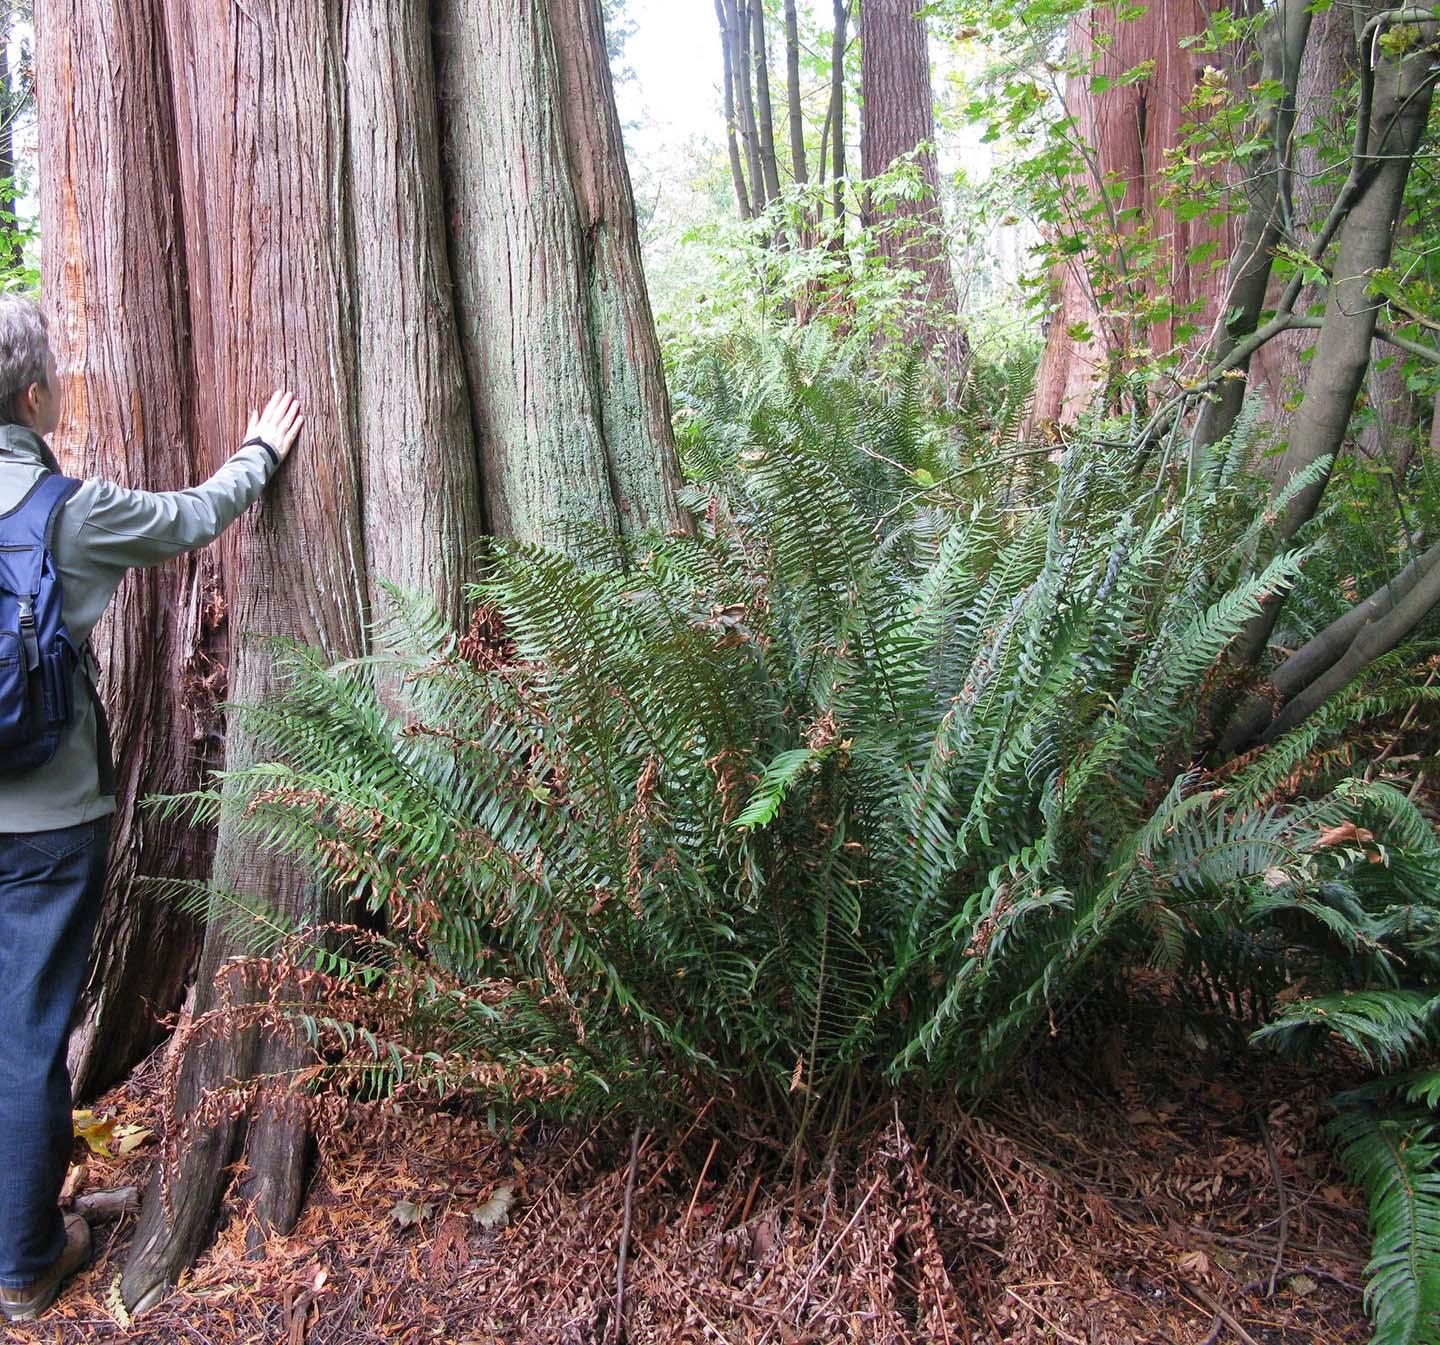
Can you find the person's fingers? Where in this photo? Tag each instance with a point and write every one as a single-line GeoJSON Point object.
{"type": "Point", "coordinates": [284, 420]}
{"type": "Point", "coordinates": [287, 444]}
{"type": "Point", "coordinates": [279, 423]}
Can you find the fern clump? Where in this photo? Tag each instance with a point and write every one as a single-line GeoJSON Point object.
{"type": "Point", "coordinates": [861, 780]}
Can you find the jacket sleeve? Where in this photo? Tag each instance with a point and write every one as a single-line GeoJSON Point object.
{"type": "Point", "coordinates": [125, 528]}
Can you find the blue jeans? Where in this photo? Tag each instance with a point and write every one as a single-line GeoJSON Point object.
{"type": "Point", "coordinates": [50, 886]}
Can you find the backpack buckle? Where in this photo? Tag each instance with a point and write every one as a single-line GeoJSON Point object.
{"type": "Point", "coordinates": [27, 634]}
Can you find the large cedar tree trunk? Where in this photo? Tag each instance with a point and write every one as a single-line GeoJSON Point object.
{"type": "Point", "coordinates": [899, 118]}
{"type": "Point", "coordinates": [444, 264]}
{"type": "Point", "coordinates": [270, 302]}
{"type": "Point", "coordinates": [120, 328]}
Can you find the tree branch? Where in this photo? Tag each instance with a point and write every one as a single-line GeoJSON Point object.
{"type": "Point", "coordinates": [1382, 333]}
{"type": "Point", "coordinates": [1384, 614]}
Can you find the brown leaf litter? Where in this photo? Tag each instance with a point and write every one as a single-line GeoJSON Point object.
{"type": "Point", "coordinates": [1151, 1200]}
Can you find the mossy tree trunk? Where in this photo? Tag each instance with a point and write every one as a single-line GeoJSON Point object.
{"type": "Point", "coordinates": [564, 366]}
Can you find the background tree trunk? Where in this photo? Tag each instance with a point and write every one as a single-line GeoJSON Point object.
{"type": "Point", "coordinates": [769, 162]}
{"type": "Point", "coordinates": [732, 134]}
{"type": "Point", "coordinates": [740, 29]}
{"type": "Point", "coordinates": [839, 41]}
{"type": "Point", "coordinates": [14, 256]}
{"type": "Point", "coordinates": [898, 118]}
{"type": "Point", "coordinates": [1128, 129]}
{"type": "Point", "coordinates": [1372, 201]}
{"type": "Point", "coordinates": [1279, 367]}
{"type": "Point", "coordinates": [1277, 371]}
{"type": "Point", "coordinates": [121, 336]}
{"type": "Point", "coordinates": [794, 105]}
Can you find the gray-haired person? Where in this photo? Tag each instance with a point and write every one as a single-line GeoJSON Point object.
{"type": "Point", "coordinates": [55, 816]}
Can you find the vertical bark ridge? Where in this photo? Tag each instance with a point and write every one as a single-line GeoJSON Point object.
{"type": "Point", "coordinates": [121, 339]}
{"type": "Point", "coordinates": [419, 468]}
{"type": "Point", "coordinates": [261, 175]}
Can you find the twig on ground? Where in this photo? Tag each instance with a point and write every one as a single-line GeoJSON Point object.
{"type": "Point", "coordinates": [106, 1206]}
{"type": "Point", "coordinates": [704, 1170]}
{"type": "Point", "coordinates": [619, 1333]}
{"type": "Point", "coordinates": [1223, 1314]}
{"type": "Point", "coordinates": [1284, 1199]}
{"type": "Point", "coordinates": [750, 1199]}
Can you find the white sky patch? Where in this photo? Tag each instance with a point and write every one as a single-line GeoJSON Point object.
{"type": "Point", "coordinates": [675, 95]}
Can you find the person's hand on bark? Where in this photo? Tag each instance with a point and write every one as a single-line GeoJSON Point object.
{"type": "Point", "coordinates": [278, 424]}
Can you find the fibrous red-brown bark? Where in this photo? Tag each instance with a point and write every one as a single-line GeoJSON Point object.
{"type": "Point", "coordinates": [120, 333]}
{"type": "Point", "coordinates": [1128, 129]}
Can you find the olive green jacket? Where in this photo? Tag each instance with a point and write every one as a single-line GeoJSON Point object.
{"type": "Point", "coordinates": [104, 530]}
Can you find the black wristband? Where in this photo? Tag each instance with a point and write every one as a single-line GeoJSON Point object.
{"type": "Point", "coordinates": [269, 448]}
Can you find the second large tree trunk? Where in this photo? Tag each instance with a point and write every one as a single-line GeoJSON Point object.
{"type": "Point", "coordinates": [1127, 131]}
{"type": "Point", "coordinates": [573, 419]}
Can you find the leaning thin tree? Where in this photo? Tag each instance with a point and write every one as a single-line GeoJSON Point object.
{"type": "Point", "coordinates": [523, 390]}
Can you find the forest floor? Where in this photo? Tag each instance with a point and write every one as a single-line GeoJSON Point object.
{"type": "Point", "coordinates": [1150, 1189]}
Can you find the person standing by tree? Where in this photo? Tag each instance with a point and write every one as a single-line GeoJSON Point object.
{"type": "Point", "coordinates": [55, 813]}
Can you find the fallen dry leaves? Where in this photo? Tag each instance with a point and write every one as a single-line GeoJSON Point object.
{"type": "Point", "coordinates": [1132, 1202]}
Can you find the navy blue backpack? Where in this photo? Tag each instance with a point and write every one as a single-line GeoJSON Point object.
{"type": "Point", "coordinates": [37, 656]}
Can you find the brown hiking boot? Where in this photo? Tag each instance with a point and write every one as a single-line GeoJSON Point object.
{"type": "Point", "coordinates": [29, 1301]}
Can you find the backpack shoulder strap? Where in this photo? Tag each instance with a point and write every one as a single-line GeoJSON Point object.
{"type": "Point", "coordinates": [54, 491]}
{"type": "Point", "coordinates": [32, 521]}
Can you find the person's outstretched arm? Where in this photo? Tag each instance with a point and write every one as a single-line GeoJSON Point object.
{"type": "Point", "coordinates": [126, 528]}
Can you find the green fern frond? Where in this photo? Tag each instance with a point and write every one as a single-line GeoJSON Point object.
{"type": "Point", "coordinates": [1394, 1156]}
